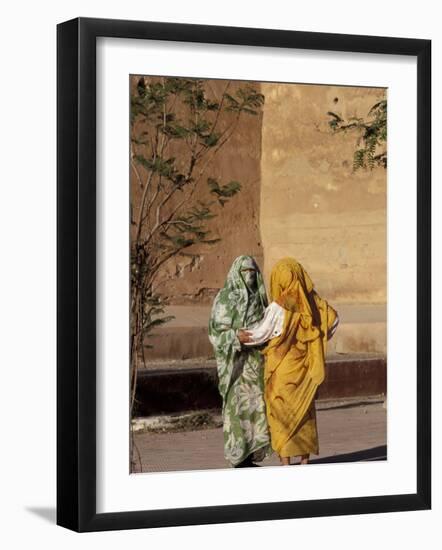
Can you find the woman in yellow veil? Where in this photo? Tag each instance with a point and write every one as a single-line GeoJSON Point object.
{"type": "Point", "coordinates": [294, 358]}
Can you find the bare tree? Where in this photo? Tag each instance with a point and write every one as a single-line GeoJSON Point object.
{"type": "Point", "coordinates": [176, 131]}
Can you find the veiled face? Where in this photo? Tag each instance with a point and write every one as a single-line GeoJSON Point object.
{"type": "Point", "coordinates": [283, 281]}
{"type": "Point", "coordinates": [249, 277]}
{"type": "Point", "coordinates": [248, 273]}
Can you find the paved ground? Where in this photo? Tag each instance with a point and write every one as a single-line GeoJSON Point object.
{"type": "Point", "coordinates": [346, 433]}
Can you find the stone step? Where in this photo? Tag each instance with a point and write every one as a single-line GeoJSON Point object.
{"type": "Point", "coordinates": [362, 328]}
{"type": "Point", "coordinates": [170, 387]}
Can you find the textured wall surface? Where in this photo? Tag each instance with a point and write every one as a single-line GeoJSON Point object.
{"type": "Point", "coordinates": [299, 197]}
{"type": "Point", "coordinates": [196, 280]}
{"type": "Point", "coordinates": [313, 206]}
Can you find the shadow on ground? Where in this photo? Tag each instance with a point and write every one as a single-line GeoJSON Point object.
{"type": "Point", "coordinates": [375, 453]}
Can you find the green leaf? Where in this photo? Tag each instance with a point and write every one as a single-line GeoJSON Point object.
{"type": "Point", "coordinates": [372, 133]}
{"type": "Point", "coordinates": [225, 191]}
{"type": "Point", "coordinates": [211, 140]}
{"type": "Point", "coordinates": [161, 321]}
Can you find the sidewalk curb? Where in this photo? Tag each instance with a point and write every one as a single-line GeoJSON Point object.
{"type": "Point", "coordinates": [171, 390]}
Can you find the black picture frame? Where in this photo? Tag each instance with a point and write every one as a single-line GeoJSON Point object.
{"type": "Point", "coordinates": [77, 287]}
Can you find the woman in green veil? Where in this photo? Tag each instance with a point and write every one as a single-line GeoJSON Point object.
{"type": "Point", "coordinates": [240, 304]}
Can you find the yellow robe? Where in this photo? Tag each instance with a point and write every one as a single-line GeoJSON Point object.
{"type": "Point", "coordinates": [295, 360]}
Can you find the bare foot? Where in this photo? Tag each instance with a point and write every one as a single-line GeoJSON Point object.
{"type": "Point", "coordinates": [304, 459]}
{"type": "Point", "coordinates": [285, 460]}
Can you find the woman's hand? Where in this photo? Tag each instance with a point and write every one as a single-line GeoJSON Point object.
{"type": "Point", "coordinates": [244, 336]}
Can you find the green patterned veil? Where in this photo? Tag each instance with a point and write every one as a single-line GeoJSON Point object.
{"type": "Point", "coordinates": [240, 304]}
{"type": "Point", "coordinates": [235, 307]}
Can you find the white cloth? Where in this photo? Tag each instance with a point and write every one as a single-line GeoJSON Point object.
{"type": "Point", "coordinates": [272, 324]}
{"type": "Point", "coordinates": [269, 327]}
